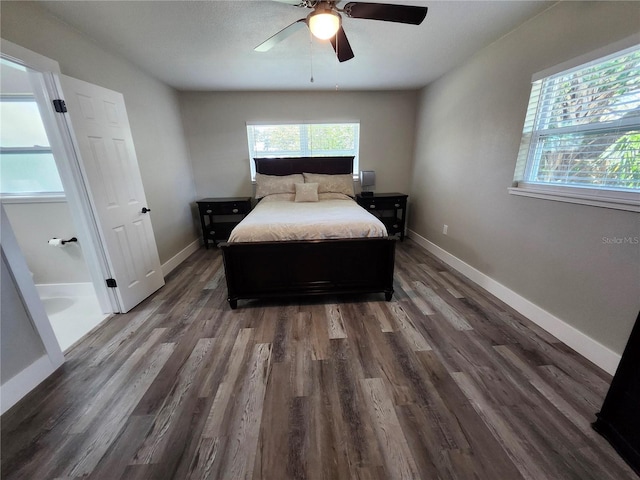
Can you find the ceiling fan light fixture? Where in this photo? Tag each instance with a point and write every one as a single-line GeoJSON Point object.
{"type": "Point", "coordinates": [324, 24]}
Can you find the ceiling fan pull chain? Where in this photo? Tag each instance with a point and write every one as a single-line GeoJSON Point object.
{"type": "Point", "coordinates": [337, 62]}
{"type": "Point", "coordinates": [311, 53]}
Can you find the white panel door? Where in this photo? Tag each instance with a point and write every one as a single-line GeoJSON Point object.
{"type": "Point", "coordinates": [108, 160]}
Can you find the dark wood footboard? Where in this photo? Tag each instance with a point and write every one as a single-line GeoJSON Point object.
{"type": "Point", "coordinates": [311, 267]}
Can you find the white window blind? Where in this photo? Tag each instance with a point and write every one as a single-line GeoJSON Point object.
{"type": "Point", "coordinates": [303, 140]}
{"type": "Point", "coordinates": [582, 128]}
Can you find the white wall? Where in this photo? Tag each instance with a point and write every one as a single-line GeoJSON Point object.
{"type": "Point", "coordinates": [33, 225]}
{"type": "Point", "coordinates": [20, 342]}
{"type": "Point", "coordinates": [215, 127]}
{"type": "Point", "coordinates": [29, 352]}
{"type": "Point", "coordinates": [469, 127]}
{"type": "Point", "coordinates": [152, 108]}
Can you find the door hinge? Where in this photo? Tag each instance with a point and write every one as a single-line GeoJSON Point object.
{"type": "Point", "coordinates": [60, 106]}
{"type": "Point", "coordinates": [111, 283]}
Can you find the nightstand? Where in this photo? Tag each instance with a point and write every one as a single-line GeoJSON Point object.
{"type": "Point", "coordinates": [218, 216]}
{"type": "Point", "coordinates": [390, 208]}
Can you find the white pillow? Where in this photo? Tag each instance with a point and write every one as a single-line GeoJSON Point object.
{"type": "Point", "coordinates": [342, 183]}
{"type": "Point", "coordinates": [306, 192]}
{"type": "Point", "coordinates": [270, 184]}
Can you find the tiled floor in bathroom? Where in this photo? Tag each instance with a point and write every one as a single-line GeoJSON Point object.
{"type": "Point", "coordinates": [73, 317]}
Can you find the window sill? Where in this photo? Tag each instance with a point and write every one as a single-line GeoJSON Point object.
{"type": "Point", "coordinates": [605, 199]}
{"type": "Point", "coordinates": [53, 198]}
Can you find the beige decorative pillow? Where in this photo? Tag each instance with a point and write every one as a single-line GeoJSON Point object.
{"type": "Point", "coordinates": [306, 192]}
{"type": "Point", "coordinates": [270, 184]}
{"type": "Point", "coordinates": [331, 183]}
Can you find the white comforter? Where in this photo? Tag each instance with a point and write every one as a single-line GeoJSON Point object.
{"type": "Point", "coordinates": [287, 220]}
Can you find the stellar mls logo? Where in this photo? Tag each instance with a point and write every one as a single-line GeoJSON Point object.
{"type": "Point", "coordinates": [621, 240]}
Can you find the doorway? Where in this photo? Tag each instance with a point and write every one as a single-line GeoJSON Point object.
{"type": "Point", "coordinates": [38, 210]}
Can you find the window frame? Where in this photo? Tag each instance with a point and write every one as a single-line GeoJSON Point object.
{"type": "Point", "coordinates": [303, 152]}
{"type": "Point", "coordinates": [607, 197]}
{"type": "Point", "coordinates": [29, 196]}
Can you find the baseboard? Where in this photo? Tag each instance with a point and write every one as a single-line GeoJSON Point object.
{"type": "Point", "coordinates": [20, 385]}
{"type": "Point", "coordinates": [82, 289]}
{"type": "Point", "coordinates": [181, 256]}
{"type": "Point", "coordinates": [583, 344]}
{"type": "Point", "coordinates": [86, 288]}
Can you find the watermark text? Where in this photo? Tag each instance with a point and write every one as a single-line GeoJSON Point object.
{"type": "Point", "coordinates": [621, 240]}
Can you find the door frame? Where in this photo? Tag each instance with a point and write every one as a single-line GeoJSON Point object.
{"type": "Point", "coordinates": [22, 383]}
{"type": "Point", "coordinates": [67, 162]}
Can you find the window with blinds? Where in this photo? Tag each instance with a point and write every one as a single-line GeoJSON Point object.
{"type": "Point", "coordinates": [582, 131]}
{"type": "Point", "coordinates": [303, 140]}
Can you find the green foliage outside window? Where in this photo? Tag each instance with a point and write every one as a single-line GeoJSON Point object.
{"type": "Point", "coordinates": [303, 140]}
{"type": "Point", "coordinates": [587, 128]}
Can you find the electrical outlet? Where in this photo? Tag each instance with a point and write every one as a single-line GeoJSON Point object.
{"type": "Point", "coordinates": [445, 229]}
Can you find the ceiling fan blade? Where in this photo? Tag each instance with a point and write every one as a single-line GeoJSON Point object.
{"type": "Point", "coordinates": [386, 12]}
{"type": "Point", "coordinates": [295, 3]}
{"type": "Point", "coordinates": [281, 35]}
{"type": "Point", "coordinates": [341, 46]}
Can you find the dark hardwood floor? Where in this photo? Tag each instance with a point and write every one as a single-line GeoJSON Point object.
{"type": "Point", "coordinates": [444, 382]}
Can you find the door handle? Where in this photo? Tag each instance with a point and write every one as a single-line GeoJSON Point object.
{"type": "Point", "coordinates": [145, 209]}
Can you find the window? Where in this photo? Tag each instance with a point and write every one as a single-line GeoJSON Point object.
{"type": "Point", "coordinates": [581, 137]}
{"type": "Point", "coordinates": [27, 166]}
{"type": "Point", "coordinates": [303, 140]}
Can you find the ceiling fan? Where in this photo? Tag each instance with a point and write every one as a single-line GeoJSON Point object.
{"type": "Point", "coordinates": [325, 21]}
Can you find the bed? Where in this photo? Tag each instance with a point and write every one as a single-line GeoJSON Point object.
{"type": "Point", "coordinates": [299, 264]}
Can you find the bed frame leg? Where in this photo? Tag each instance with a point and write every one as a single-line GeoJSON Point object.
{"type": "Point", "coordinates": [387, 296]}
{"type": "Point", "coordinates": [233, 303]}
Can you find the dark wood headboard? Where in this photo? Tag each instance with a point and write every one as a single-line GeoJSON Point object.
{"type": "Point", "coordinates": [288, 166]}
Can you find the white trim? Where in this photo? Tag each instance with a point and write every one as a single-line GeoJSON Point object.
{"type": "Point", "coordinates": [181, 256]}
{"type": "Point", "coordinates": [591, 197]}
{"type": "Point", "coordinates": [18, 386]}
{"type": "Point", "coordinates": [586, 346]}
{"type": "Point", "coordinates": [27, 58]}
{"type": "Point", "coordinates": [60, 198]}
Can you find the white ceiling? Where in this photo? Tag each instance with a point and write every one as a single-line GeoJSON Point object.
{"type": "Point", "coordinates": [208, 45]}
